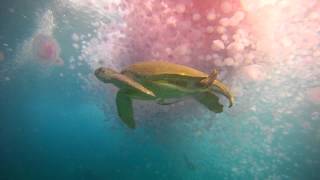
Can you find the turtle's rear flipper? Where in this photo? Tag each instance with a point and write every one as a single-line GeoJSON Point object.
{"type": "Point", "coordinates": [221, 88]}
{"type": "Point", "coordinates": [210, 100]}
{"type": "Point", "coordinates": [125, 110]}
{"type": "Point", "coordinates": [209, 80]}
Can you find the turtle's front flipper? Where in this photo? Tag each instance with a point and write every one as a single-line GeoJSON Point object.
{"type": "Point", "coordinates": [125, 110]}
{"type": "Point", "coordinates": [210, 100]}
{"type": "Point", "coordinates": [124, 81]}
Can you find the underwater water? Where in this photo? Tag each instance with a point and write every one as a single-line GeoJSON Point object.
{"type": "Point", "coordinates": [58, 121]}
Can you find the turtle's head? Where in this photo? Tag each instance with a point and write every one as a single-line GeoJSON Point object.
{"type": "Point", "coordinates": [105, 74]}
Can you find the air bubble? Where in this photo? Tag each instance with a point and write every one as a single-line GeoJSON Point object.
{"type": "Point", "coordinates": [229, 61]}
{"type": "Point", "coordinates": [224, 22]}
{"type": "Point", "coordinates": [210, 29]}
{"type": "Point", "coordinates": [180, 8]}
{"type": "Point", "coordinates": [226, 7]}
{"type": "Point", "coordinates": [211, 16]}
{"type": "Point", "coordinates": [221, 29]}
{"type": "Point", "coordinates": [217, 45]}
{"type": "Point", "coordinates": [196, 17]}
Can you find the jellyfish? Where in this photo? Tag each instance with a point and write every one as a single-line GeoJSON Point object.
{"type": "Point", "coordinates": [46, 49]}
{"type": "Point", "coordinates": [313, 95]}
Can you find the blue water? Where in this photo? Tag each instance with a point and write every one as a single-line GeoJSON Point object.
{"type": "Point", "coordinates": [59, 127]}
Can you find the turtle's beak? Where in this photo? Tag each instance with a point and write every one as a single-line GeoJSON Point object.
{"type": "Point", "coordinates": [98, 73]}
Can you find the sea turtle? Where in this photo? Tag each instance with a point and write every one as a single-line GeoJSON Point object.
{"type": "Point", "coordinates": [162, 81]}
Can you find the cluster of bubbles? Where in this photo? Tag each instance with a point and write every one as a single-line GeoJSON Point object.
{"type": "Point", "coordinates": [267, 51]}
{"type": "Point", "coordinates": [245, 40]}
{"type": "Point", "coordinates": [184, 32]}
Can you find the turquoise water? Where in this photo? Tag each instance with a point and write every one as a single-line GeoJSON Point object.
{"type": "Point", "coordinates": [60, 122]}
